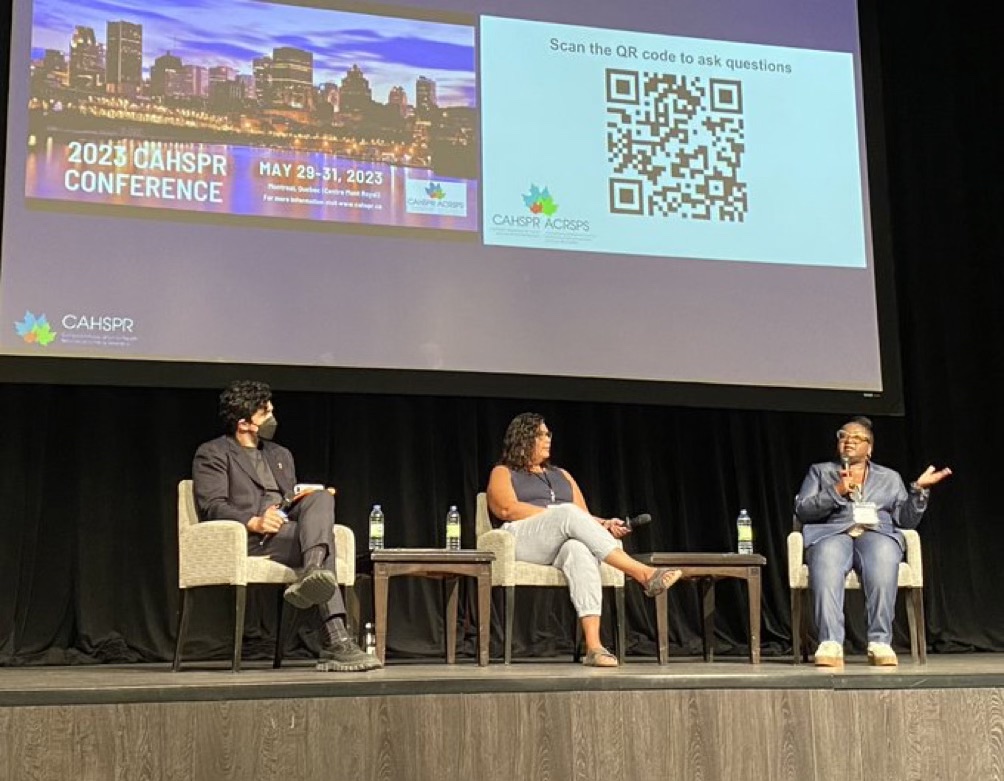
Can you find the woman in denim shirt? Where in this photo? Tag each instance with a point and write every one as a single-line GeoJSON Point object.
{"type": "Point", "coordinates": [852, 511]}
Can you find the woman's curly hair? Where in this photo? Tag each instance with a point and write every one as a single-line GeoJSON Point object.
{"type": "Point", "coordinates": [520, 440]}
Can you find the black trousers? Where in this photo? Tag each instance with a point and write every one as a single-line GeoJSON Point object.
{"type": "Point", "coordinates": [310, 524]}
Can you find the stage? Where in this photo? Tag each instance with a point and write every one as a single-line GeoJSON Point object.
{"type": "Point", "coordinates": [535, 719]}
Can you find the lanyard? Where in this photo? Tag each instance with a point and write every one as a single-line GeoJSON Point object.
{"type": "Point", "coordinates": [858, 491]}
{"type": "Point", "coordinates": [542, 475]}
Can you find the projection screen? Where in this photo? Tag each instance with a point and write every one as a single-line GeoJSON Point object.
{"type": "Point", "coordinates": [678, 202]}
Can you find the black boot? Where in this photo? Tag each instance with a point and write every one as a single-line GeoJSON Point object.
{"type": "Point", "coordinates": [340, 654]}
{"type": "Point", "coordinates": [316, 584]}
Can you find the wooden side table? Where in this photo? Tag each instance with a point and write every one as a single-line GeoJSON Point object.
{"type": "Point", "coordinates": [435, 563]}
{"type": "Point", "coordinates": [708, 567]}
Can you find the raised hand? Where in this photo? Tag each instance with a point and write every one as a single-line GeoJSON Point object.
{"type": "Point", "coordinates": [931, 477]}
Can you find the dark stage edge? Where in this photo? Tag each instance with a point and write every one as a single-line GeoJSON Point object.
{"type": "Point", "coordinates": [155, 683]}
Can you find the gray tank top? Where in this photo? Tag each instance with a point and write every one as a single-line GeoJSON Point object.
{"type": "Point", "coordinates": [542, 489]}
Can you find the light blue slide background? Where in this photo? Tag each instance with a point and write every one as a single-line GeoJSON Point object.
{"type": "Point", "coordinates": [544, 123]}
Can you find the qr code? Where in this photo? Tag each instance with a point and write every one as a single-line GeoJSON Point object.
{"type": "Point", "coordinates": [675, 145]}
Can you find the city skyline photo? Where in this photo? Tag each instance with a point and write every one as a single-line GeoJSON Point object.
{"type": "Point", "coordinates": [391, 51]}
{"type": "Point", "coordinates": [255, 109]}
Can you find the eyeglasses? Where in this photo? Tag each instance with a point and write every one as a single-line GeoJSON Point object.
{"type": "Point", "coordinates": [854, 439]}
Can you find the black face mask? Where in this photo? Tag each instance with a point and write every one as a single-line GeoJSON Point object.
{"type": "Point", "coordinates": [266, 429]}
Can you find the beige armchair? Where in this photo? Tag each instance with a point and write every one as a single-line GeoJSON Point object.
{"type": "Point", "coordinates": [214, 553]}
{"type": "Point", "coordinates": [509, 573]}
{"type": "Point", "coordinates": [911, 578]}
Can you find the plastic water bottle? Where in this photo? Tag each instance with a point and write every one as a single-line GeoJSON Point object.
{"type": "Point", "coordinates": [744, 525]}
{"type": "Point", "coordinates": [369, 639]}
{"type": "Point", "coordinates": [453, 528]}
{"type": "Point", "coordinates": [376, 528]}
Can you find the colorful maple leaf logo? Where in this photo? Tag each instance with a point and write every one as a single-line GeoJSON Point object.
{"type": "Point", "coordinates": [540, 202]}
{"type": "Point", "coordinates": [435, 191]}
{"type": "Point", "coordinates": [35, 330]}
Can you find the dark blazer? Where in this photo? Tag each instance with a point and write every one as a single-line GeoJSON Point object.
{"type": "Point", "coordinates": [226, 484]}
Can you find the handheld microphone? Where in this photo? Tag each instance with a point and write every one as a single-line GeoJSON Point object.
{"type": "Point", "coordinates": [845, 465]}
{"type": "Point", "coordinates": [638, 520]}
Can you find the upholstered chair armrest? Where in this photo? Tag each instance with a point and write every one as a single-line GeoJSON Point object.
{"type": "Point", "coordinates": [796, 551]}
{"type": "Point", "coordinates": [913, 556]}
{"type": "Point", "coordinates": [503, 545]}
{"type": "Point", "coordinates": [213, 553]}
{"type": "Point", "coordinates": [345, 560]}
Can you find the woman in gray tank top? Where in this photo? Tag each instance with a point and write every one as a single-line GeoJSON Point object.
{"type": "Point", "coordinates": [542, 507]}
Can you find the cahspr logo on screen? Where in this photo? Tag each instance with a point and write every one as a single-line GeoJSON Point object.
{"type": "Point", "coordinates": [35, 330]}
{"type": "Point", "coordinates": [101, 323]}
{"type": "Point", "coordinates": [540, 201]}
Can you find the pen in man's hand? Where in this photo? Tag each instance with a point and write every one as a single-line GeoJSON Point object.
{"type": "Point", "coordinates": [265, 536]}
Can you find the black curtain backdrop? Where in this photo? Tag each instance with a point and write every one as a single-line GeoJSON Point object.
{"type": "Point", "coordinates": [88, 557]}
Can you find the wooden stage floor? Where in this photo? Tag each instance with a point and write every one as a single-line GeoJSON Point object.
{"type": "Point", "coordinates": [546, 719]}
{"type": "Point", "coordinates": [107, 684]}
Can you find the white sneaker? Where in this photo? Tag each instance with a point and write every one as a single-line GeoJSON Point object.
{"type": "Point", "coordinates": [881, 655]}
{"type": "Point", "coordinates": [830, 653]}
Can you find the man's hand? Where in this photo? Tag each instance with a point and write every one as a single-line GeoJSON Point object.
{"type": "Point", "coordinates": [269, 522]}
{"type": "Point", "coordinates": [931, 477]}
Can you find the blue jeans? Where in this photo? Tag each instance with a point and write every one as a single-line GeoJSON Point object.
{"type": "Point", "coordinates": [570, 539]}
{"type": "Point", "coordinates": [875, 557]}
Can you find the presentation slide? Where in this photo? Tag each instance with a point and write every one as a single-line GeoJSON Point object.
{"type": "Point", "coordinates": [261, 117]}
{"type": "Point", "coordinates": [672, 194]}
{"type": "Point", "coordinates": [671, 146]}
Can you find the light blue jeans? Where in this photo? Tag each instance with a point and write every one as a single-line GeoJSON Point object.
{"type": "Point", "coordinates": [567, 537]}
{"type": "Point", "coordinates": [875, 557]}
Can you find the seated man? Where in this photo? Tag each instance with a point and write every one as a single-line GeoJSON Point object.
{"type": "Point", "coordinates": [244, 476]}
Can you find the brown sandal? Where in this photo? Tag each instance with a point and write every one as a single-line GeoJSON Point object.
{"type": "Point", "coordinates": [661, 579]}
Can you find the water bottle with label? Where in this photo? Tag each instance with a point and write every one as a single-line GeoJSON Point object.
{"type": "Point", "coordinates": [453, 529]}
{"type": "Point", "coordinates": [369, 639]}
{"type": "Point", "coordinates": [744, 525]}
{"type": "Point", "coordinates": [376, 528]}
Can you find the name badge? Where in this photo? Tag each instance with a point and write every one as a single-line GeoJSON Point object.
{"type": "Point", "coordinates": [866, 514]}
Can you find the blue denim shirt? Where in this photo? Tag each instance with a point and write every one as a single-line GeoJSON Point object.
{"type": "Point", "coordinates": [826, 513]}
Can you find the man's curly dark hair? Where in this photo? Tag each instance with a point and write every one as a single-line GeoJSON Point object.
{"type": "Point", "coordinates": [242, 399]}
{"type": "Point", "coordinates": [520, 440]}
